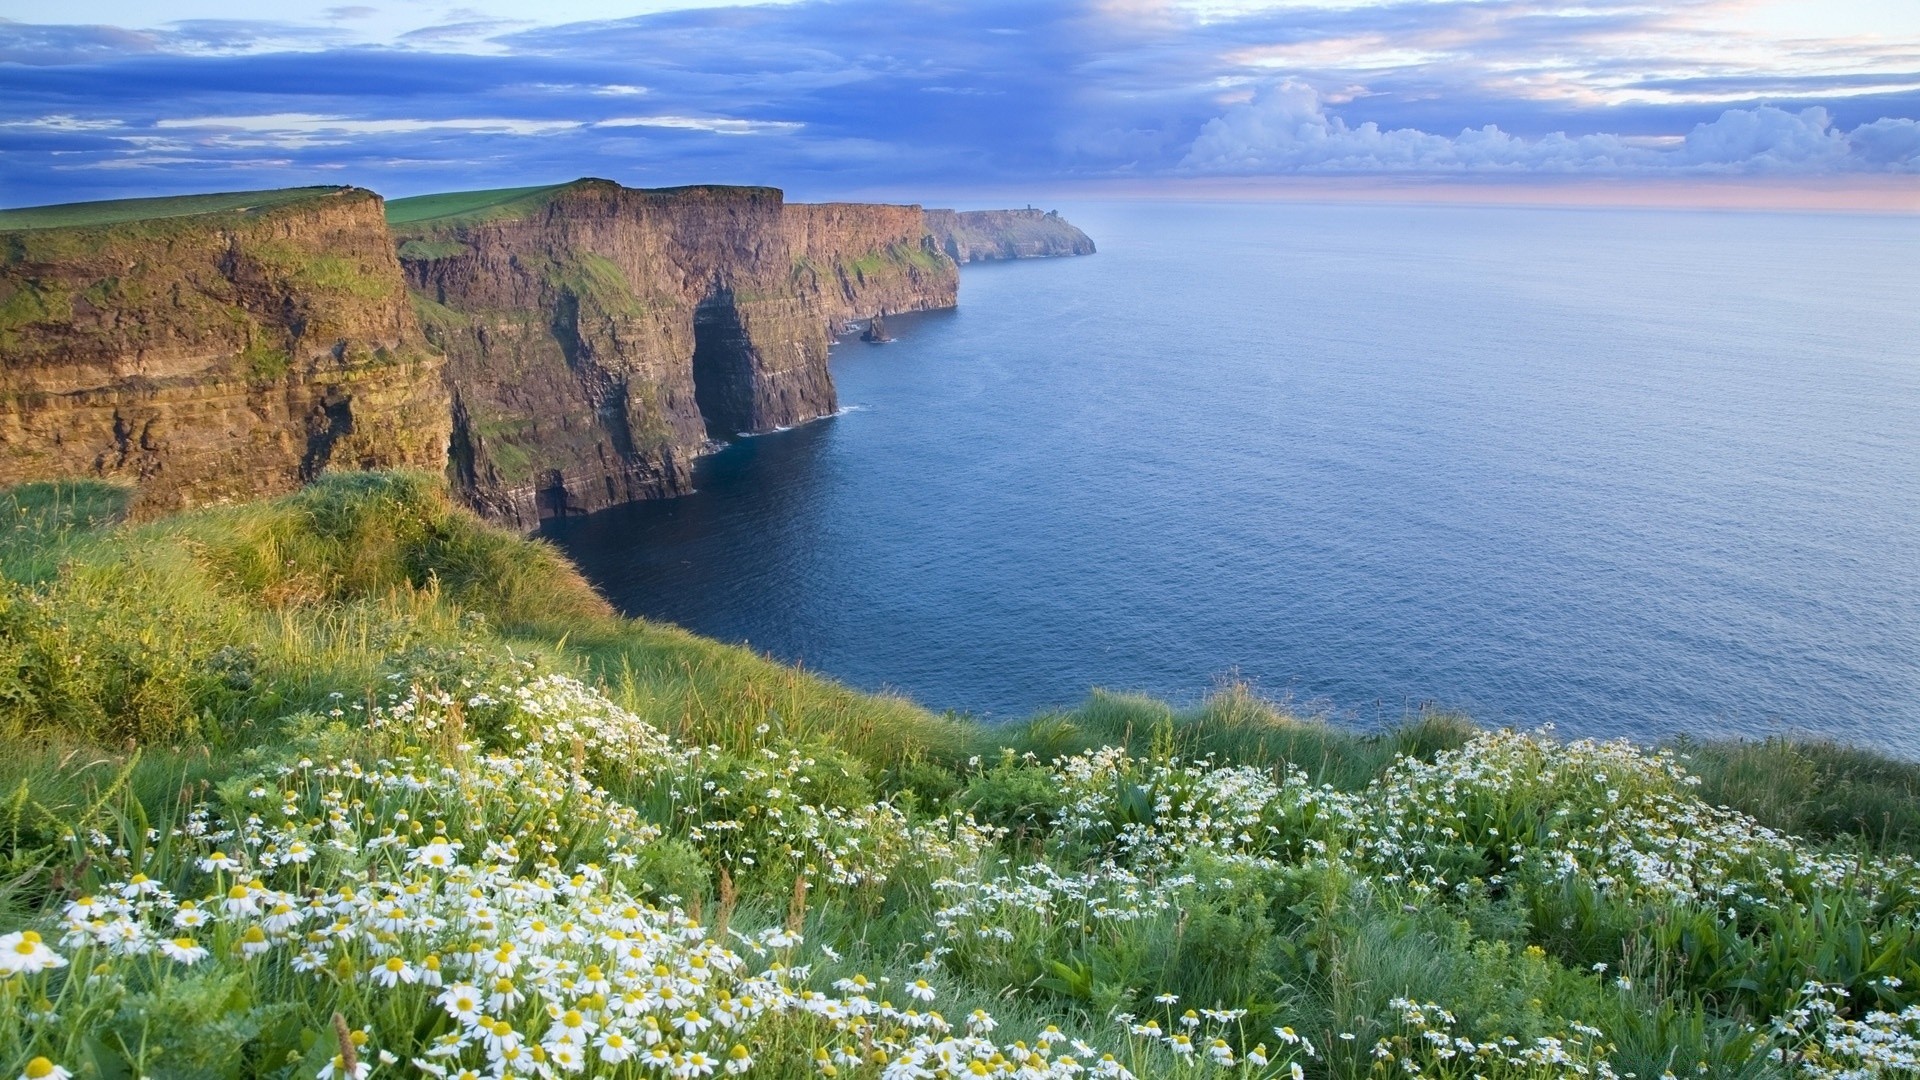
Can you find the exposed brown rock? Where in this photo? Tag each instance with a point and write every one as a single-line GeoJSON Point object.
{"type": "Point", "coordinates": [210, 356]}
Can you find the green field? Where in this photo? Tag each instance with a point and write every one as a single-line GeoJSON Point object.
{"type": "Point", "coordinates": [351, 780]}
{"type": "Point", "coordinates": [119, 211]}
{"type": "Point", "coordinates": [470, 205]}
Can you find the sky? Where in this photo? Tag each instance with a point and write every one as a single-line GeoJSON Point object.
{"type": "Point", "coordinates": [965, 101]}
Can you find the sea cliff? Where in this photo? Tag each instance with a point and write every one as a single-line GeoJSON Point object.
{"type": "Point", "coordinates": [211, 348]}
{"type": "Point", "coordinates": [598, 338]}
{"type": "Point", "coordinates": [556, 349]}
{"type": "Point", "coordinates": [983, 235]}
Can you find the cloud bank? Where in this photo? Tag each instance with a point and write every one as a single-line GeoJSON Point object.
{"type": "Point", "coordinates": [1287, 128]}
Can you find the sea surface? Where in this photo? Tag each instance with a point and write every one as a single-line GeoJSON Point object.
{"type": "Point", "coordinates": [1638, 473]}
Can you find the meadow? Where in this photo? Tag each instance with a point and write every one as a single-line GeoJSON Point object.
{"type": "Point", "coordinates": [349, 783]}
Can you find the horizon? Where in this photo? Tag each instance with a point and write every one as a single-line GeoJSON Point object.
{"type": "Point", "coordinates": [1746, 104]}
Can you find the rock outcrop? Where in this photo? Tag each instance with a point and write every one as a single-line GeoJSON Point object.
{"type": "Point", "coordinates": [211, 348]}
{"type": "Point", "coordinates": [599, 338]}
{"type": "Point", "coordinates": [982, 235]}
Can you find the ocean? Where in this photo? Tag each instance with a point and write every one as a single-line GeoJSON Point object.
{"type": "Point", "coordinates": [1640, 473]}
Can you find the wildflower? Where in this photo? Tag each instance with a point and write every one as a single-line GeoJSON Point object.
{"type": "Point", "coordinates": [738, 1060]}
{"type": "Point", "coordinates": [24, 953]}
{"type": "Point", "coordinates": [338, 1068]}
{"type": "Point", "coordinates": [614, 1047]}
{"type": "Point", "coordinates": [240, 901]}
{"type": "Point", "coordinates": [920, 991]}
{"type": "Point", "coordinates": [184, 950]}
{"type": "Point", "coordinates": [253, 942]}
{"type": "Point", "coordinates": [393, 972]}
{"type": "Point", "coordinates": [461, 1001]}
{"type": "Point", "coordinates": [139, 885]}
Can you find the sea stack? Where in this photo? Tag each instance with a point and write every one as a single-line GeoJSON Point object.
{"type": "Point", "coordinates": [876, 332]}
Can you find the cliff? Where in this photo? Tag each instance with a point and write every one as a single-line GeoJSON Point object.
{"type": "Point", "coordinates": [211, 348]}
{"type": "Point", "coordinates": [558, 349]}
{"type": "Point", "coordinates": [598, 338]}
{"type": "Point", "coordinates": [981, 235]}
{"type": "Point", "coordinates": [866, 259]}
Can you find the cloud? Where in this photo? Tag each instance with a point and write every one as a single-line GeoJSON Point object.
{"type": "Point", "coordinates": [924, 95]}
{"type": "Point", "coordinates": [1287, 128]}
{"type": "Point", "coordinates": [301, 129]}
{"type": "Point", "coordinates": [714, 125]}
{"type": "Point", "coordinates": [1891, 143]}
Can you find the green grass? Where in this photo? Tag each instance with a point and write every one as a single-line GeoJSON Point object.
{"type": "Point", "coordinates": [1231, 853]}
{"type": "Point", "coordinates": [118, 211]}
{"type": "Point", "coordinates": [471, 206]}
{"type": "Point", "coordinates": [429, 250]}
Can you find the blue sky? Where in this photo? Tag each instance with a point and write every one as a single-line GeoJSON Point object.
{"type": "Point", "coordinates": [927, 98]}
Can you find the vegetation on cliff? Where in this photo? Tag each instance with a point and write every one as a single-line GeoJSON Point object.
{"type": "Point", "coordinates": [349, 783]}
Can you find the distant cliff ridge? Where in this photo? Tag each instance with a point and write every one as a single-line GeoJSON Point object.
{"type": "Point", "coordinates": [556, 349]}
{"type": "Point", "coordinates": [211, 347]}
{"type": "Point", "coordinates": [598, 338]}
{"type": "Point", "coordinates": [982, 235]}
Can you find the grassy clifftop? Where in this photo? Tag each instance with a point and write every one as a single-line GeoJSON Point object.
{"type": "Point", "coordinates": [121, 211]}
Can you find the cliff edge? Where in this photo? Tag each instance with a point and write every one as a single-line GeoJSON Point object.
{"type": "Point", "coordinates": [599, 338]}
{"type": "Point", "coordinates": [982, 235]}
{"type": "Point", "coordinates": [211, 348]}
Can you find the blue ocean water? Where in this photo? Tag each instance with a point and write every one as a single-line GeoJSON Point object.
{"type": "Point", "coordinates": [1631, 473]}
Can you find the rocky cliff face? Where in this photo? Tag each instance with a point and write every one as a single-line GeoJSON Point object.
{"type": "Point", "coordinates": [981, 235]}
{"type": "Point", "coordinates": [598, 338]}
{"type": "Point", "coordinates": [863, 260]}
{"type": "Point", "coordinates": [231, 350]}
{"type": "Point", "coordinates": [558, 349]}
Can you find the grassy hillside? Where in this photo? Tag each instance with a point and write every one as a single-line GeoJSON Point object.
{"type": "Point", "coordinates": [348, 782]}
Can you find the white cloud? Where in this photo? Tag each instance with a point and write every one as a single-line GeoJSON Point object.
{"type": "Point", "coordinates": [64, 122]}
{"type": "Point", "coordinates": [717, 125]}
{"type": "Point", "coordinates": [1766, 138]}
{"type": "Point", "coordinates": [312, 124]}
{"type": "Point", "coordinates": [1286, 128]}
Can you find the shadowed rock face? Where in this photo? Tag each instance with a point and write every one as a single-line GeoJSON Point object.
{"type": "Point", "coordinates": [218, 355]}
{"type": "Point", "coordinates": [599, 338]}
{"type": "Point", "coordinates": [983, 235]}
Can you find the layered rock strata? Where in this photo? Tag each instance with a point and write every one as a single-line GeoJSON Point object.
{"type": "Point", "coordinates": [211, 348]}
{"type": "Point", "coordinates": [599, 338]}
{"type": "Point", "coordinates": [983, 235]}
